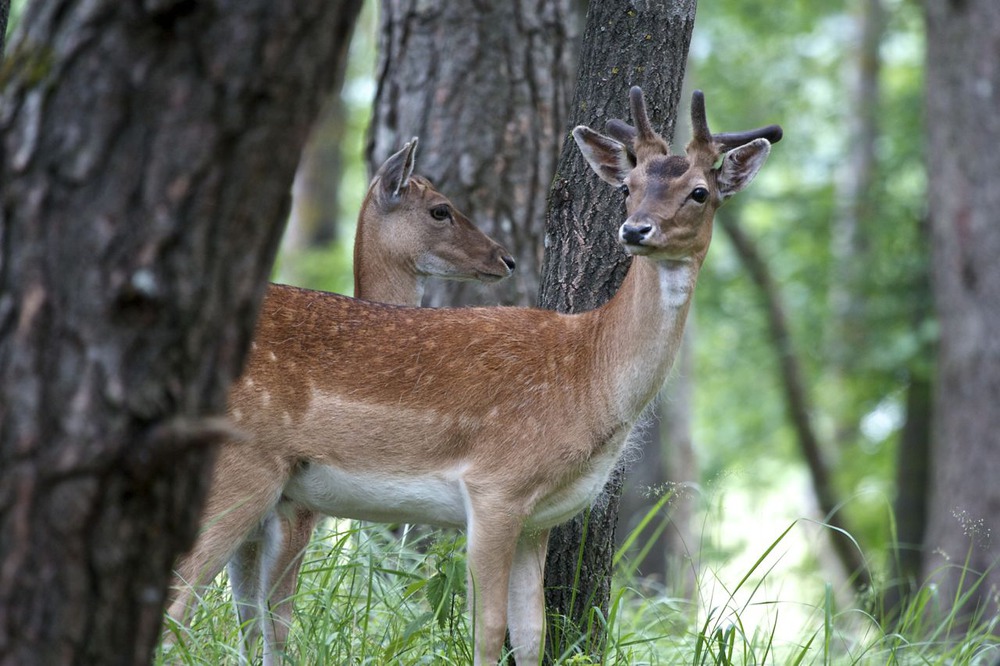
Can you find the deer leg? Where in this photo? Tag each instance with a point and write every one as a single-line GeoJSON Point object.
{"type": "Point", "coordinates": [526, 601]}
{"type": "Point", "coordinates": [492, 539]}
{"type": "Point", "coordinates": [243, 490]}
{"type": "Point", "coordinates": [246, 574]}
{"type": "Point", "coordinates": [282, 576]}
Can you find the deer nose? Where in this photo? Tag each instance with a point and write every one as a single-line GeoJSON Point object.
{"type": "Point", "coordinates": [509, 261]}
{"type": "Point", "coordinates": [634, 233]}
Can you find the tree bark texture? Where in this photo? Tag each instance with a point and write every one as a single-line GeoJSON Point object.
{"type": "Point", "coordinates": [485, 87]}
{"type": "Point", "coordinates": [624, 44]}
{"type": "Point", "coordinates": [4, 18]}
{"type": "Point", "coordinates": [146, 155]}
{"type": "Point", "coordinates": [963, 95]}
{"type": "Point", "coordinates": [798, 402]}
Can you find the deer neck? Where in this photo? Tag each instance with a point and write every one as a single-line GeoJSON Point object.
{"type": "Point", "coordinates": [385, 282]}
{"type": "Point", "coordinates": [640, 331]}
{"type": "Point", "coordinates": [381, 278]}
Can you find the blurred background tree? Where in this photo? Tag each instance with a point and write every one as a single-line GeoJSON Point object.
{"type": "Point", "coordinates": [963, 128]}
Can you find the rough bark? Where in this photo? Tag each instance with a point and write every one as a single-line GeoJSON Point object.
{"type": "Point", "coordinates": [963, 95]}
{"type": "Point", "coordinates": [146, 154]}
{"type": "Point", "coordinates": [490, 117]}
{"type": "Point", "coordinates": [798, 402]}
{"type": "Point", "coordinates": [624, 44]}
{"type": "Point", "coordinates": [4, 18]}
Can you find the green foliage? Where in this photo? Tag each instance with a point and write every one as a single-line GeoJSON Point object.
{"type": "Point", "coordinates": [762, 62]}
{"type": "Point", "coordinates": [330, 267]}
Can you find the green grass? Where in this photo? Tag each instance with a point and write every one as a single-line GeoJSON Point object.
{"type": "Point", "coordinates": [365, 598]}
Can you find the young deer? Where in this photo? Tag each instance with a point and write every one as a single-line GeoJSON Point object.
{"type": "Point", "coordinates": [505, 421]}
{"type": "Point", "coordinates": [407, 231]}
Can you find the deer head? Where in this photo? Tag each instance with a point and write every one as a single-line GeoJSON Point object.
{"type": "Point", "coordinates": [406, 221]}
{"type": "Point", "coordinates": [671, 199]}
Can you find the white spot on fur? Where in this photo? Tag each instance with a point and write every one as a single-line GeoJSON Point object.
{"type": "Point", "coordinates": [676, 285]}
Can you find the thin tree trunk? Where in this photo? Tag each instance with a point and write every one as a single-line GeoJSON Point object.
{"type": "Point", "coordinates": [490, 119]}
{"type": "Point", "coordinates": [963, 94]}
{"type": "Point", "coordinates": [146, 155]}
{"type": "Point", "coordinates": [4, 19]}
{"type": "Point", "coordinates": [798, 402]}
{"type": "Point", "coordinates": [912, 460]}
{"type": "Point", "coordinates": [316, 205]}
{"type": "Point", "coordinates": [624, 44]}
{"type": "Point", "coordinates": [910, 505]}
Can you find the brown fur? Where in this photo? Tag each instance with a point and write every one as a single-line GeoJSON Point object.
{"type": "Point", "coordinates": [523, 411]}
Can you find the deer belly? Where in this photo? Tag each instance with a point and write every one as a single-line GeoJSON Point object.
{"type": "Point", "coordinates": [572, 498]}
{"type": "Point", "coordinates": [436, 499]}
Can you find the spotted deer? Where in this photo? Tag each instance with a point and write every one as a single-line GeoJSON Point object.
{"type": "Point", "coordinates": [407, 231]}
{"type": "Point", "coordinates": [504, 421]}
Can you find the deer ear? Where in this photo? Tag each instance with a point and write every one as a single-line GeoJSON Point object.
{"type": "Point", "coordinates": [394, 174]}
{"type": "Point", "coordinates": [609, 159]}
{"type": "Point", "coordinates": [740, 165]}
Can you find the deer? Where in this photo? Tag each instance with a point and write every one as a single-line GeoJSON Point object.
{"type": "Point", "coordinates": [503, 421]}
{"type": "Point", "coordinates": [407, 231]}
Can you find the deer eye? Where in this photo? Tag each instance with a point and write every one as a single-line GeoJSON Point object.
{"type": "Point", "coordinates": [700, 194]}
{"type": "Point", "coordinates": [441, 213]}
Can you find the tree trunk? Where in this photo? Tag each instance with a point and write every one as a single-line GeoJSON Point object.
{"type": "Point", "coordinates": [146, 158]}
{"type": "Point", "coordinates": [316, 206]}
{"type": "Point", "coordinates": [963, 95]}
{"type": "Point", "coordinates": [490, 118]}
{"type": "Point", "coordinates": [624, 44]}
{"type": "Point", "coordinates": [4, 18]}
{"type": "Point", "coordinates": [910, 504]}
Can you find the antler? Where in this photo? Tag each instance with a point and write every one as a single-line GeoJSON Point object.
{"type": "Point", "coordinates": [644, 130]}
{"type": "Point", "coordinates": [725, 140]}
{"type": "Point", "coordinates": [621, 131]}
{"type": "Point", "coordinates": [722, 142]}
{"type": "Point", "coordinates": [642, 136]}
{"type": "Point", "coordinates": [699, 123]}
{"type": "Point", "coordinates": [730, 140]}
